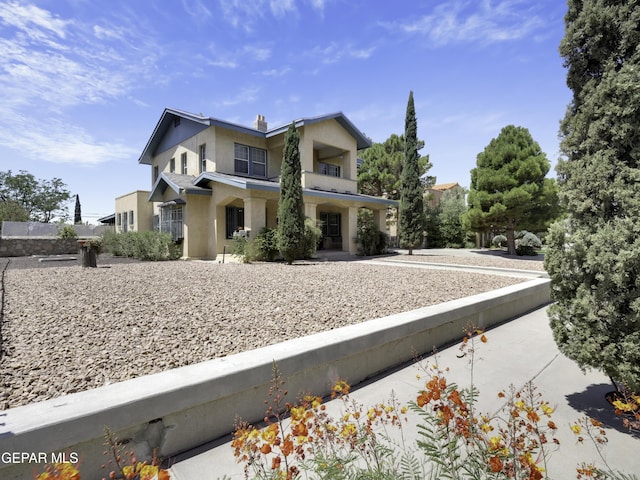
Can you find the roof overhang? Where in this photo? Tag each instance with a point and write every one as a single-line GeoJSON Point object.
{"type": "Point", "coordinates": [246, 183]}
{"type": "Point", "coordinates": [177, 184]}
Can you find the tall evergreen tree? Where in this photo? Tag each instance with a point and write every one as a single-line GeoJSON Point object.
{"type": "Point", "coordinates": [411, 222]}
{"type": "Point", "coordinates": [509, 190]}
{"type": "Point", "coordinates": [290, 232]}
{"type": "Point", "coordinates": [77, 217]}
{"type": "Point", "coordinates": [594, 253]}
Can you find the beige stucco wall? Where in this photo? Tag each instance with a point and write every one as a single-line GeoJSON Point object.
{"type": "Point", "coordinates": [195, 226]}
{"type": "Point", "coordinates": [137, 203]}
{"type": "Point", "coordinates": [191, 147]}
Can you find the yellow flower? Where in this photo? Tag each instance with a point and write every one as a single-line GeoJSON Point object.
{"type": "Point", "coordinates": [348, 430]}
{"type": "Point", "coordinates": [546, 409]}
{"type": "Point", "coordinates": [577, 429]}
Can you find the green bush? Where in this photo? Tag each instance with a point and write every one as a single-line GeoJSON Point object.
{"type": "Point", "coordinates": [371, 241]}
{"type": "Point", "coordinates": [153, 246]}
{"type": "Point", "coordinates": [67, 231]}
{"type": "Point", "coordinates": [264, 247]}
{"type": "Point", "coordinates": [311, 238]}
{"type": "Point", "coordinates": [499, 241]}
{"type": "Point", "coordinates": [528, 244]}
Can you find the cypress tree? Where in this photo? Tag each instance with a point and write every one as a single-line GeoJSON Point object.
{"type": "Point", "coordinates": [593, 257]}
{"type": "Point", "coordinates": [290, 233]}
{"type": "Point", "coordinates": [77, 217]}
{"type": "Point", "coordinates": [411, 222]}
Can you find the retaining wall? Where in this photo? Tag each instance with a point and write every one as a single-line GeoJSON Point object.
{"type": "Point", "coordinates": [23, 247]}
{"type": "Point", "coordinates": [183, 408]}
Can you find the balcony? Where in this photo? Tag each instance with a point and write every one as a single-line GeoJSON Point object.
{"type": "Point", "coordinates": [328, 183]}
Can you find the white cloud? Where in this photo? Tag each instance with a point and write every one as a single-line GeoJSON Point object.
{"type": "Point", "coordinates": [246, 95]}
{"type": "Point", "coordinates": [334, 52]}
{"type": "Point", "coordinates": [50, 65]}
{"type": "Point", "coordinates": [32, 19]}
{"type": "Point", "coordinates": [463, 21]}
{"type": "Point", "coordinates": [244, 13]}
{"type": "Point", "coordinates": [276, 72]}
{"type": "Point", "coordinates": [57, 142]}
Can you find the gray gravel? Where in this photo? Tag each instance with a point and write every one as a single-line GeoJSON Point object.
{"type": "Point", "coordinates": [68, 329]}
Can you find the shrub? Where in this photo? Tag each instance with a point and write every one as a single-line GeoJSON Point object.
{"type": "Point", "coordinates": [67, 231]}
{"type": "Point", "coordinates": [153, 246]}
{"type": "Point", "coordinates": [264, 247]}
{"type": "Point", "coordinates": [528, 244]}
{"type": "Point", "coordinates": [371, 241]}
{"type": "Point", "coordinates": [310, 239]}
{"type": "Point", "coordinates": [499, 241]}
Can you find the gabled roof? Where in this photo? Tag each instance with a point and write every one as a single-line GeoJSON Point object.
{"type": "Point", "coordinates": [361, 140]}
{"type": "Point", "coordinates": [178, 183]}
{"type": "Point", "coordinates": [169, 116]}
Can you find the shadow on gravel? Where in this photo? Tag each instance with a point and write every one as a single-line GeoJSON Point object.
{"type": "Point", "coordinates": [503, 254]}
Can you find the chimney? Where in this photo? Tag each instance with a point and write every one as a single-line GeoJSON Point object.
{"type": "Point", "coordinates": [260, 123]}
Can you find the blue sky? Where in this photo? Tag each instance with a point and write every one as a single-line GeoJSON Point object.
{"type": "Point", "coordinates": [84, 82]}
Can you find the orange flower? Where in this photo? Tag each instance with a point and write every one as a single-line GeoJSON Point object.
{"type": "Point", "coordinates": [265, 449]}
{"type": "Point", "coordinates": [275, 463]}
{"type": "Point", "coordinates": [495, 464]}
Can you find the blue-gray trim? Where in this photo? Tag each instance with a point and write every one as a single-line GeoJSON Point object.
{"type": "Point", "coordinates": [177, 183]}
{"type": "Point", "coordinates": [200, 122]}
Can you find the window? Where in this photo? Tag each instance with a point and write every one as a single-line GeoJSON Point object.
{"type": "Point", "coordinates": [203, 157]}
{"type": "Point", "coordinates": [330, 224]}
{"type": "Point", "coordinates": [172, 165]}
{"type": "Point", "coordinates": [125, 225]}
{"type": "Point", "coordinates": [119, 219]}
{"type": "Point", "coordinates": [171, 221]}
{"type": "Point", "coordinates": [176, 122]}
{"type": "Point", "coordinates": [130, 217]}
{"type": "Point", "coordinates": [250, 160]}
{"type": "Point", "coordinates": [184, 163]}
{"type": "Point", "coordinates": [155, 173]}
{"type": "Point", "coordinates": [329, 169]}
{"type": "Point", "coordinates": [235, 220]}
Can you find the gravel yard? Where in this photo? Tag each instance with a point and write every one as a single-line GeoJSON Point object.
{"type": "Point", "coordinates": [68, 329]}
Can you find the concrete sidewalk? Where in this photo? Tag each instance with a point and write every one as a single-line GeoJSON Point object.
{"type": "Point", "coordinates": [518, 351]}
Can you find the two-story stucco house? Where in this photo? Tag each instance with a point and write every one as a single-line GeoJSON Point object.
{"type": "Point", "coordinates": [211, 178]}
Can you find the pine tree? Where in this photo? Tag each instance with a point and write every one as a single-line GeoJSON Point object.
{"type": "Point", "coordinates": [594, 253]}
{"type": "Point", "coordinates": [290, 232]}
{"type": "Point", "coordinates": [509, 190]}
{"type": "Point", "coordinates": [411, 222]}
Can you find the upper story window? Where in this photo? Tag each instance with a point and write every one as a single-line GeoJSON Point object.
{"type": "Point", "coordinates": [250, 160]}
{"type": "Point", "coordinates": [184, 163]}
{"type": "Point", "coordinates": [176, 121]}
{"type": "Point", "coordinates": [202, 157]}
{"type": "Point", "coordinates": [172, 165]}
{"type": "Point", "coordinates": [155, 173]}
{"type": "Point", "coordinates": [329, 169]}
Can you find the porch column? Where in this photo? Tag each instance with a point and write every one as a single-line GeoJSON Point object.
{"type": "Point", "coordinates": [349, 242]}
{"type": "Point", "coordinates": [380, 219]}
{"type": "Point", "coordinates": [255, 215]}
{"type": "Point", "coordinates": [311, 210]}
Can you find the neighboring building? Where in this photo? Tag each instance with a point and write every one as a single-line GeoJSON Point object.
{"type": "Point", "coordinates": [211, 178]}
{"type": "Point", "coordinates": [134, 213]}
{"type": "Point", "coordinates": [434, 193]}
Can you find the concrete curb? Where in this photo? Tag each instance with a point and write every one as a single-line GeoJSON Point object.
{"type": "Point", "coordinates": [183, 408]}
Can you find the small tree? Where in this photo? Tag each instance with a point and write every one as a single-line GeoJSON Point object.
{"type": "Point", "coordinates": [291, 230]}
{"type": "Point", "coordinates": [41, 199]}
{"type": "Point", "coordinates": [411, 213]}
{"type": "Point", "coordinates": [509, 190]}
{"type": "Point", "coordinates": [451, 208]}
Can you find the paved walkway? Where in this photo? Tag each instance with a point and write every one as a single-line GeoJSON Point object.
{"type": "Point", "coordinates": [518, 351]}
